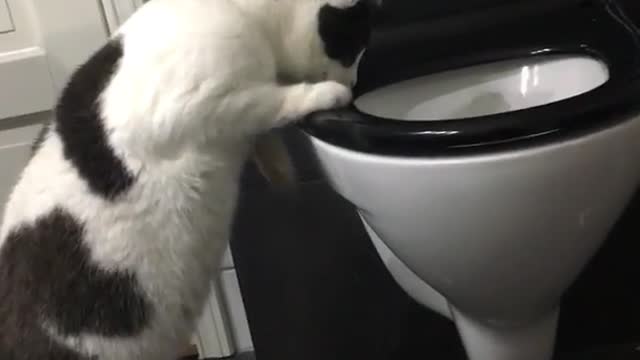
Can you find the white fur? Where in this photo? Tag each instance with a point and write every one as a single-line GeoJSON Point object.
{"type": "Point", "coordinates": [198, 80]}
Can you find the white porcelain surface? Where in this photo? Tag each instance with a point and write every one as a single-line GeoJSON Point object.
{"type": "Point", "coordinates": [535, 341]}
{"type": "Point", "coordinates": [407, 279]}
{"type": "Point", "coordinates": [486, 89]}
{"type": "Point", "coordinates": [500, 235]}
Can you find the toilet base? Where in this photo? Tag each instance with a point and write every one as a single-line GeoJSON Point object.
{"type": "Point", "coordinates": [482, 342]}
{"type": "Point", "coordinates": [532, 342]}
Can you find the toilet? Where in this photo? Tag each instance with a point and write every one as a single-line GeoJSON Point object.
{"type": "Point", "coordinates": [489, 161]}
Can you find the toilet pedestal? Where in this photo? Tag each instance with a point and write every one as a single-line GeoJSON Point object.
{"type": "Point", "coordinates": [534, 341]}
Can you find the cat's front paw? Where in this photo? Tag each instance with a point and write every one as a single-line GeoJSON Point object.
{"type": "Point", "coordinates": [329, 95]}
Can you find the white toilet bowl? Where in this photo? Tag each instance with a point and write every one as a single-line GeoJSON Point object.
{"type": "Point", "coordinates": [502, 235]}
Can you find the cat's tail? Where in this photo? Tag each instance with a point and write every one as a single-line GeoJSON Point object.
{"type": "Point", "coordinates": [273, 161]}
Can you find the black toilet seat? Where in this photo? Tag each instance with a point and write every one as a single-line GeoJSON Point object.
{"type": "Point", "coordinates": [598, 28]}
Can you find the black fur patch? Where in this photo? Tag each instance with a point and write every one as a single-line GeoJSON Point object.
{"type": "Point", "coordinates": [46, 274]}
{"type": "Point", "coordinates": [79, 124]}
{"type": "Point", "coordinates": [345, 32]}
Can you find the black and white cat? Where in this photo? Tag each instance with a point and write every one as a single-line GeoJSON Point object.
{"type": "Point", "coordinates": [112, 235]}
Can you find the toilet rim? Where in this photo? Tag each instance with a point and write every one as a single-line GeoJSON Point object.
{"type": "Point", "coordinates": [615, 101]}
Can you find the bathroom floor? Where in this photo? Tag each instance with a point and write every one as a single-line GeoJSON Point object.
{"type": "Point", "coordinates": [619, 352]}
{"type": "Point", "coordinates": [244, 356]}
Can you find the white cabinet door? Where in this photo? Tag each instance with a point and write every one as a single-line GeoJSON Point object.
{"type": "Point", "coordinates": [16, 137]}
{"type": "Point", "coordinates": [24, 75]}
{"type": "Point", "coordinates": [6, 23]}
{"type": "Point", "coordinates": [117, 11]}
{"type": "Point", "coordinates": [41, 43]}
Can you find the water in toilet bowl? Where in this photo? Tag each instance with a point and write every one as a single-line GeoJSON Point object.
{"type": "Point", "coordinates": [486, 89]}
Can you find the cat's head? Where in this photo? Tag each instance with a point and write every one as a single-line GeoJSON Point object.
{"type": "Point", "coordinates": [337, 34]}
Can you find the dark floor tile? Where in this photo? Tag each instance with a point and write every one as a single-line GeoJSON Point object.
{"type": "Point", "coordinates": [245, 356]}
{"type": "Point", "coordinates": [612, 352]}
{"type": "Point", "coordinates": [602, 306]}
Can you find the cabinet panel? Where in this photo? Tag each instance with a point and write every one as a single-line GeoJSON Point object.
{"type": "Point", "coordinates": [26, 75]}
{"type": "Point", "coordinates": [24, 69]}
{"type": "Point", "coordinates": [36, 57]}
{"type": "Point", "coordinates": [13, 160]}
{"type": "Point", "coordinates": [18, 25]}
{"type": "Point", "coordinates": [15, 151]}
{"type": "Point", "coordinates": [6, 24]}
